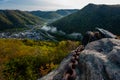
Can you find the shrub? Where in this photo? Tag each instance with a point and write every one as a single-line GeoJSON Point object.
{"type": "Point", "coordinates": [29, 59]}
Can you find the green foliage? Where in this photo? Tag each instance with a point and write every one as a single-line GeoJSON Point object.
{"type": "Point", "coordinates": [24, 67]}
{"type": "Point", "coordinates": [91, 16]}
{"type": "Point", "coordinates": [17, 19]}
{"type": "Point", "coordinates": [29, 60]}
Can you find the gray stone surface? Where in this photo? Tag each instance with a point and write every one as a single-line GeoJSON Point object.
{"type": "Point", "coordinates": [100, 60]}
{"type": "Point", "coordinates": [106, 33]}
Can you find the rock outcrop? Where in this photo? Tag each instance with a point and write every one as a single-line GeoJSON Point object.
{"type": "Point", "coordinates": [100, 60]}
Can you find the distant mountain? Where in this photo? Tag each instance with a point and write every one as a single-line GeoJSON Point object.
{"type": "Point", "coordinates": [10, 19]}
{"type": "Point", "coordinates": [91, 16]}
{"type": "Point", "coordinates": [53, 15]}
{"type": "Point", "coordinates": [65, 12]}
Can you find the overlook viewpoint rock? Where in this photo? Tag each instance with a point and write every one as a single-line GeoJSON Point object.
{"type": "Point", "coordinates": [100, 60]}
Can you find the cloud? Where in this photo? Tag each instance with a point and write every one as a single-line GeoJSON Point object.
{"type": "Point", "coordinates": [4, 1]}
{"type": "Point", "coordinates": [50, 4]}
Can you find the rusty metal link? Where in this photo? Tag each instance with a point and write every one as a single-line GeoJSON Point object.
{"type": "Point", "coordinates": [70, 73]}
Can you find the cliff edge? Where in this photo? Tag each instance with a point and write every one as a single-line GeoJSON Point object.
{"type": "Point", "coordinates": [100, 60]}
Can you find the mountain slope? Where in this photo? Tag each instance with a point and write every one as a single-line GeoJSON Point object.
{"type": "Point", "coordinates": [91, 16]}
{"type": "Point", "coordinates": [53, 14]}
{"type": "Point", "coordinates": [10, 19]}
{"type": "Point", "coordinates": [46, 14]}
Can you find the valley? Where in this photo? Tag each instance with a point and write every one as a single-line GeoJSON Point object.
{"type": "Point", "coordinates": [40, 33]}
{"type": "Point", "coordinates": [28, 25]}
{"type": "Point", "coordinates": [33, 43]}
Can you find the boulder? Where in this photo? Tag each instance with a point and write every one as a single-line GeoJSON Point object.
{"type": "Point", "coordinates": [106, 33]}
{"type": "Point", "coordinates": [100, 60]}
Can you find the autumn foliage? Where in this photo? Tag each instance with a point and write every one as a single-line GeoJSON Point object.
{"type": "Point", "coordinates": [29, 59]}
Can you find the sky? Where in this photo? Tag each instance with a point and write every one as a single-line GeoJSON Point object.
{"type": "Point", "coordinates": [48, 5]}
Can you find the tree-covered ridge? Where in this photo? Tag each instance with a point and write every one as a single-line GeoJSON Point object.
{"type": "Point", "coordinates": [17, 19]}
{"type": "Point", "coordinates": [46, 14]}
{"type": "Point", "coordinates": [30, 60]}
{"type": "Point", "coordinates": [53, 15]}
{"type": "Point", "coordinates": [91, 16]}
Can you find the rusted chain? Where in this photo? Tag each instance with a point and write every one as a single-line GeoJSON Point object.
{"type": "Point", "coordinates": [70, 73]}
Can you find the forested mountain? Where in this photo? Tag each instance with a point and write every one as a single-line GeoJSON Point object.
{"type": "Point", "coordinates": [91, 16]}
{"type": "Point", "coordinates": [53, 15]}
{"type": "Point", "coordinates": [10, 19]}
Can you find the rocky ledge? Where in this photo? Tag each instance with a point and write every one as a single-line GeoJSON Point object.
{"type": "Point", "coordinates": [100, 60]}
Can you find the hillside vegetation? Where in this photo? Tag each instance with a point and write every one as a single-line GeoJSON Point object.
{"type": "Point", "coordinates": [10, 19]}
{"type": "Point", "coordinates": [30, 60]}
{"type": "Point", "coordinates": [46, 14]}
{"type": "Point", "coordinates": [91, 16]}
